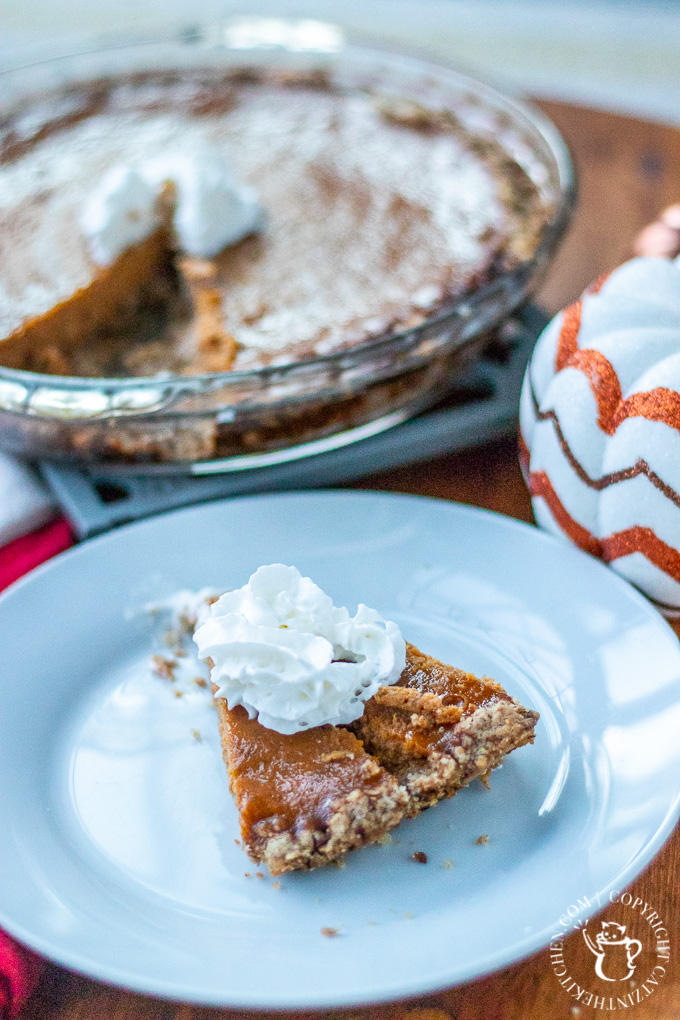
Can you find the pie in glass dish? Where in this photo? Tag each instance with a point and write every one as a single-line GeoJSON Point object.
{"type": "Point", "coordinates": [375, 211]}
{"type": "Point", "coordinates": [148, 315]}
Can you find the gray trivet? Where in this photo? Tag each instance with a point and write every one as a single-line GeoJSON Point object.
{"type": "Point", "coordinates": [482, 405]}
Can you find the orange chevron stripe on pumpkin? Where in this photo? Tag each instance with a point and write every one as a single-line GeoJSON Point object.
{"type": "Point", "coordinates": [613, 547]}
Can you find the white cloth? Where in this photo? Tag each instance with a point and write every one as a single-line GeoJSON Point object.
{"type": "Point", "coordinates": [25, 503]}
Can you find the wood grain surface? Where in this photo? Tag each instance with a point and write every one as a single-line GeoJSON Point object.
{"type": "Point", "coordinates": [628, 170]}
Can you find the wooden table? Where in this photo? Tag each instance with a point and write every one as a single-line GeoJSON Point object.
{"type": "Point", "coordinates": [628, 171]}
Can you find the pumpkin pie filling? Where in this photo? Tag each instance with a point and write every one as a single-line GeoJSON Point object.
{"type": "Point", "coordinates": [304, 798]}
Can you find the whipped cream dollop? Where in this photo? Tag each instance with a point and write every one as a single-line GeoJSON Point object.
{"type": "Point", "coordinates": [121, 212]}
{"type": "Point", "coordinates": [281, 649]}
{"type": "Point", "coordinates": [211, 208]}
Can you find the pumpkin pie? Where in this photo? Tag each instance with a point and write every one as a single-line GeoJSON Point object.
{"type": "Point", "coordinates": [379, 212]}
{"type": "Point", "coordinates": [306, 798]}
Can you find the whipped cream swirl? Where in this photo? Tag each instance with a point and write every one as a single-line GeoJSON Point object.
{"type": "Point", "coordinates": [211, 208]}
{"type": "Point", "coordinates": [282, 650]}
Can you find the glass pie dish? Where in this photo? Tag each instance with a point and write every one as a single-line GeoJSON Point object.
{"type": "Point", "coordinates": [242, 418]}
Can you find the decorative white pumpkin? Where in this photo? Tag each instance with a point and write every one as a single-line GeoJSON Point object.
{"type": "Point", "coordinates": [600, 424]}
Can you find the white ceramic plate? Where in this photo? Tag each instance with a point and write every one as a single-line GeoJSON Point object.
{"type": "Point", "coordinates": [117, 855]}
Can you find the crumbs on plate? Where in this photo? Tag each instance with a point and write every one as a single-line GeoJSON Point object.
{"type": "Point", "coordinates": [164, 668]}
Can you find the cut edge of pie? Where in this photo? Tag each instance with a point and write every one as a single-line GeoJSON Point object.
{"type": "Point", "coordinates": [487, 736]}
{"type": "Point", "coordinates": [142, 275]}
{"type": "Point", "coordinates": [355, 820]}
{"type": "Point", "coordinates": [439, 728]}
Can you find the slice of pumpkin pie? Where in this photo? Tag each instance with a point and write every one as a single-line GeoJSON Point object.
{"type": "Point", "coordinates": [332, 728]}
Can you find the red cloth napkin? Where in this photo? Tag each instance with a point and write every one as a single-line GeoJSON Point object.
{"type": "Point", "coordinates": [21, 555]}
{"type": "Point", "coordinates": [19, 967]}
{"type": "Point", "coordinates": [19, 973]}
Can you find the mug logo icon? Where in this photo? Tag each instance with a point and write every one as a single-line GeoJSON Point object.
{"type": "Point", "coordinates": [609, 947]}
